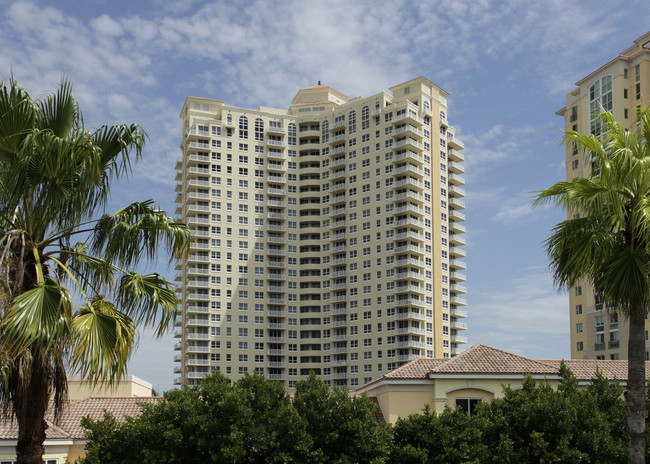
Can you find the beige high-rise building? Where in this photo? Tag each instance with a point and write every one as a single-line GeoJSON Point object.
{"type": "Point", "coordinates": [328, 237]}
{"type": "Point", "coordinates": [621, 86]}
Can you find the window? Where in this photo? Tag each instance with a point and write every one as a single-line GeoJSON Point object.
{"type": "Point", "coordinates": [468, 404]}
{"type": "Point", "coordinates": [580, 346]}
{"type": "Point", "coordinates": [579, 327]}
{"type": "Point", "coordinates": [600, 94]}
{"type": "Point", "coordinates": [243, 127]}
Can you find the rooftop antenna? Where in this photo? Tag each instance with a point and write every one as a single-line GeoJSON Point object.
{"type": "Point", "coordinates": [319, 82]}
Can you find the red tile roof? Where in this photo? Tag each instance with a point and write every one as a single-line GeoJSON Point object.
{"type": "Point", "coordinates": [482, 359]}
{"type": "Point", "coordinates": [485, 360]}
{"type": "Point", "coordinates": [69, 426]}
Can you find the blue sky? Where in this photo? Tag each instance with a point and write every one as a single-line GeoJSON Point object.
{"type": "Point", "coordinates": [507, 64]}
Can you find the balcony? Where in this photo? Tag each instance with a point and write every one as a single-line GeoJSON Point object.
{"type": "Point", "coordinates": [455, 179]}
{"type": "Point", "coordinates": [276, 167]}
{"type": "Point", "coordinates": [456, 227]}
{"type": "Point", "coordinates": [457, 239]}
{"type": "Point", "coordinates": [409, 156]}
{"type": "Point", "coordinates": [456, 264]}
{"type": "Point", "coordinates": [278, 179]}
{"type": "Point", "coordinates": [276, 352]}
{"type": "Point", "coordinates": [276, 377]}
{"type": "Point", "coordinates": [455, 168]}
{"type": "Point", "coordinates": [276, 325]}
{"type": "Point", "coordinates": [276, 130]}
{"type": "Point", "coordinates": [410, 330]}
{"type": "Point", "coordinates": [599, 346]}
{"type": "Point", "coordinates": [276, 191]}
{"type": "Point", "coordinates": [456, 191]}
{"type": "Point", "coordinates": [454, 155]}
{"type": "Point", "coordinates": [454, 143]}
{"type": "Point", "coordinates": [458, 339]}
{"type": "Point", "coordinates": [458, 325]}
{"type": "Point", "coordinates": [409, 315]}
{"type": "Point", "coordinates": [458, 288]}
{"type": "Point", "coordinates": [456, 215]}
{"type": "Point", "coordinates": [276, 143]}
{"type": "Point", "coordinates": [407, 357]}
{"type": "Point", "coordinates": [457, 252]}
{"type": "Point", "coordinates": [457, 276]}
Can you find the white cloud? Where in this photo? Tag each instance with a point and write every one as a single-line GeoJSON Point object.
{"type": "Point", "coordinates": [525, 315]}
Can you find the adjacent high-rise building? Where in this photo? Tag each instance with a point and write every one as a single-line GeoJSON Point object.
{"type": "Point", "coordinates": [328, 237]}
{"type": "Point", "coordinates": [621, 86]}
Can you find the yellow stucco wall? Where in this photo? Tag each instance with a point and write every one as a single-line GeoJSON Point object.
{"type": "Point", "coordinates": [131, 386]}
{"type": "Point", "coordinates": [400, 400]}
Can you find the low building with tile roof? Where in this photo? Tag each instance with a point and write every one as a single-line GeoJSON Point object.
{"type": "Point", "coordinates": [65, 439]}
{"type": "Point", "coordinates": [477, 374]}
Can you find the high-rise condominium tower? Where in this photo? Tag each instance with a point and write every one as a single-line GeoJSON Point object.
{"type": "Point", "coordinates": [621, 86]}
{"type": "Point", "coordinates": [327, 236]}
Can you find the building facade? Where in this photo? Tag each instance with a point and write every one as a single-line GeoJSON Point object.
{"type": "Point", "coordinates": [622, 86]}
{"type": "Point", "coordinates": [328, 237]}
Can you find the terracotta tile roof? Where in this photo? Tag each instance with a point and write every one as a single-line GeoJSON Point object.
{"type": "Point", "coordinates": [378, 415]}
{"type": "Point", "coordinates": [585, 369]}
{"type": "Point", "coordinates": [482, 359]}
{"type": "Point", "coordinates": [417, 369]}
{"type": "Point", "coordinates": [70, 421]}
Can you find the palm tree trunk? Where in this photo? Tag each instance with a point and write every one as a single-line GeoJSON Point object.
{"type": "Point", "coordinates": [635, 393]}
{"type": "Point", "coordinates": [30, 403]}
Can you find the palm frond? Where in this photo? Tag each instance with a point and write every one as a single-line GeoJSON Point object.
{"type": "Point", "coordinates": [59, 110]}
{"type": "Point", "coordinates": [137, 231]}
{"type": "Point", "coordinates": [148, 299]}
{"type": "Point", "coordinates": [41, 315]}
{"type": "Point", "coordinates": [103, 339]}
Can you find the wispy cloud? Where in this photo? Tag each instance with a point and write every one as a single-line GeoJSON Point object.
{"type": "Point", "coordinates": [525, 315]}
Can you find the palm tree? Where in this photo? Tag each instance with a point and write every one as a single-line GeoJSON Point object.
{"type": "Point", "coordinates": [610, 242]}
{"type": "Point", "coordinates": [55, 178]}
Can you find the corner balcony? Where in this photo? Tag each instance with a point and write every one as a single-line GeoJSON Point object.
{"type": "Point", "coordinates": [457, 276]}
{"type": "Point", "coordinates": [456, 203]}
{"type": "Point", "coordinates": [458, 312]}
{"type": "Point", "coordinates": [458, 325]}
{"type": "Point", "coordinates": [456, 227]}
{"type": "Point", "coordinates": [458, 339]}
{"type": "Point", "coordinates": [458, 288]}
{"type": "Point", "coordinates": [276, 143]}
{"type": "Point", "coordinates": [457, 252]}
{"type": "Point", "coordinates": [456, 156]}
{"type": "Point", "coordinates": [456, 264]}
{"type": "Point", "coordinates": [457, 239]}
{"type": "Point", "coordinates": [456, 215]}
{"type": "Point", "coordinates": [455, 179]}
{"type": "Point", "coordinates": [454, 143]}
{"type": "Point", "coordinates": [458, 301]}
{"type": "Point", "coordinates": [455, 168]}
{"type": "Point", "coordinates": [456, 191]}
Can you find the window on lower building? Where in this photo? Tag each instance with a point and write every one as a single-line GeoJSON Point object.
{"type": "Point", "coordinates": [468, 404]}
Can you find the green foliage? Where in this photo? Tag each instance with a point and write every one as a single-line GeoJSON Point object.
{"type": "Point", "coordinates": [533, 424]}
{"type": "Point", "coordinates": [250, 421]}
{"type": "Point", "coordinates": [343, 428]}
